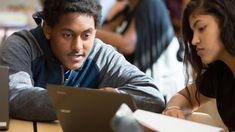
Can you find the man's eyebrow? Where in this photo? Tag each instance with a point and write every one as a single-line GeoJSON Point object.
{"type": "Point", "coordinates": [89, 30]}
{"type": "Point", "coordinates": [66, 29]}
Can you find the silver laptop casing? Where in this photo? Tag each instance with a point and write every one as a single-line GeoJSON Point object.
{"type": "Point", "coordinates": [86, 110]}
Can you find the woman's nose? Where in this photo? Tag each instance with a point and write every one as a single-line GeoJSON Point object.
{"type": "Point", "coordinates": [195, 39]}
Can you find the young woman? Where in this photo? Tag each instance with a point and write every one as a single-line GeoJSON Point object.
{"type": "Point", "coordinates": [208, 33]}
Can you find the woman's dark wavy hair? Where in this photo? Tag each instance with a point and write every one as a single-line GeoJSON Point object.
{"type": "Point", "coordinates": [223, 10]}
{"type": "Point", "coordinates": [53, 9]}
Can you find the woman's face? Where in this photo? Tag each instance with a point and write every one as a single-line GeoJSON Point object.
{"type": "Point", "coordinates": [206, 37]}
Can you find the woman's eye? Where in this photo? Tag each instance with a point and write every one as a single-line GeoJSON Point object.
{"type": "Point", "coordinates": [201, 28]}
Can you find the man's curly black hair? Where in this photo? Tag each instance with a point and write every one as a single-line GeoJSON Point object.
{"type": "Point", "coordinates": [53, 9]}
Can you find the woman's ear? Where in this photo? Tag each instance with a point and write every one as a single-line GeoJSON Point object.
{"type": "Point", "coordinates": [46, 30]}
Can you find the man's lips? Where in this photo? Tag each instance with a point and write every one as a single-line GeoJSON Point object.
{"type": "Point", "coordinates": [76, 57]}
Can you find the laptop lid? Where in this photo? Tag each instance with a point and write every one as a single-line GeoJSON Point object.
{"type": "Point", "coordinates": [82, 109]}
{"type": "Point", "coordinates": [4, 102]}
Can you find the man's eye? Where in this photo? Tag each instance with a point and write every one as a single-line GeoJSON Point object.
{"type": "Point", "coordinates": [85, 36]}
{"type": "Point", "coordinates": [68, 35]}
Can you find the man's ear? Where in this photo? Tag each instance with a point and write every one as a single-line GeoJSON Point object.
{"type": "Point", "coordinates": [46, 30]}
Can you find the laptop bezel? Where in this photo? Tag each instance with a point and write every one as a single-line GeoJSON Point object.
{"type": "Point", "coordinates": [4, 97]}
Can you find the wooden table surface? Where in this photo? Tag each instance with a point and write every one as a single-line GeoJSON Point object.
{"type": "Point", "coordinates": [28, 126]}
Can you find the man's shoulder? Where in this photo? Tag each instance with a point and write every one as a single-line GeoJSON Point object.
{"type": "Point", "coordinates": [23, 35]}
{"type": "Point", "coordinates": [24, 32]}
{"type": "Point", "coordinates": [102, 50]}
{"type": "Point", "coordinates": [100, 45]}
{"type": "Point", "coordinates": [21, 39]}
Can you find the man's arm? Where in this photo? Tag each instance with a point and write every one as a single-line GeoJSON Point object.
{"type": "Point", "coordinates": [26, 101]}
{"type": "Point", "coordinates": [127, 78]}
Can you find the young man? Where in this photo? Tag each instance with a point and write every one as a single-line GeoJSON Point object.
{"type": "Point", "coordinates": [63, 50]}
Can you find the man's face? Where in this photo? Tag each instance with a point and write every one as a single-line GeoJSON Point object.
{"type": "Point", "coordinates": [71, 39]}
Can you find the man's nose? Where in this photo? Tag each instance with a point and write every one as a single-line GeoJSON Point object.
{"type": "Point", "coordinates": [77, 44]}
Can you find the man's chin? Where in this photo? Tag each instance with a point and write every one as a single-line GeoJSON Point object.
{"type": "Point", "coordinates": [73, 67]}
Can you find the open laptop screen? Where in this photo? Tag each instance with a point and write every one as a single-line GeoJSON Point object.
{"type": "Point", "coordinates": [82, 109]}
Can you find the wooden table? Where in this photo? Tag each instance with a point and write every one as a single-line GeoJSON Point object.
{"type": "Point", "coordinates": [20, 126]}
{"type": "Point", "coordinates": [27, 126]}
{"type": "Point", "coordinates": [49, 127]}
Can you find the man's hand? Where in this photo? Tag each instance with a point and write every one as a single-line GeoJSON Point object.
{"type": "Point", "coordinates": [109, 89]}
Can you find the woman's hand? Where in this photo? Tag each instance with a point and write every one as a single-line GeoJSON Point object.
{"type": "Point", "coordinates": [174, 111]}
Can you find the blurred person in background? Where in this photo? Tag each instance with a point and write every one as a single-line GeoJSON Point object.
{"type": "Point", "coordinates": [176, 8]}
{"type": "Point", "coordinates": [106, 7]}
{"type": "Point", "coordinates": [143, 32]}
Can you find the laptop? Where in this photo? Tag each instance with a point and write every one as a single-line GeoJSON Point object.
{"type": "Point", "coordinates": [83, 109]}
{"type": "Point", "coordinates": [4, 102]}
